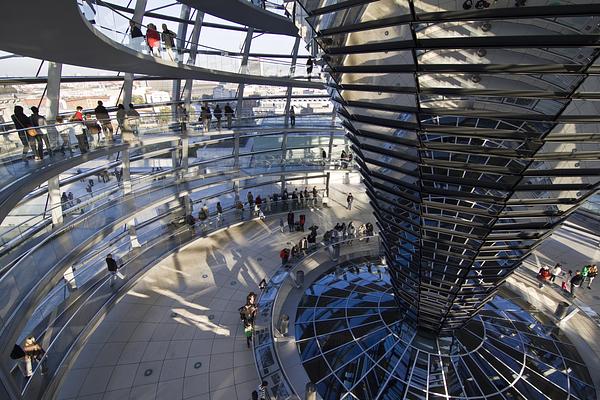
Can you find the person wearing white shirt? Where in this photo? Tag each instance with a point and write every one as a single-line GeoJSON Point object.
{"type": "Point", "coordinates": [556, 271]}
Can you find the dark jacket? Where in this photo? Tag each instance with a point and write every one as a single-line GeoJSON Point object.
{"type": "Point", "coordinates": [136, 32]}
{"type": "Point", "coordinates": [228, 110]}
{"type": "Point", "coordinates": [168, 38]}
{"type": "Point", "coordinates": [577, 280]}
{"type": "Point", "coordinates": [217, 112]}
{"type": "Point", "coordinates": [290, 218]}
{"type": "Point", "coordinates": [101, 114]}
{"type": "Point", "coordinates": [111, 264]}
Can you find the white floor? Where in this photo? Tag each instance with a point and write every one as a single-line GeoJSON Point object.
{"type": "Point", "coordinates": [177, 333]}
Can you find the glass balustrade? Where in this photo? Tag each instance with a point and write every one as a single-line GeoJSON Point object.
{"type": "Point", "coordinates": [114, 25]}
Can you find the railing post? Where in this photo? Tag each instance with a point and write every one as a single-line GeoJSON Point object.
{"type": "Point", "coordinates": [288, 100]}
{"type": "Point", "coordinates": [137, 17]}
{"type": "Point", "coordinates": [126, 172]}
{"type": "Point", "coordinates": [193, 48]}
{"type": "Point", "coordinates": [240, 98]}
{"type": "Point", "coordinates": [55, 201]}
{"type": "Point", "coordinates": [179, 45]}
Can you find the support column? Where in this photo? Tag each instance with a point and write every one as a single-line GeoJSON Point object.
{"type": "Point", "coordinates": [288, 100]}
{"type": "Point", "coordinates": [329, 161]}
{"type": "Point", "coordinates": [240, 99]}
{"type": "Point", "coordinates": [126, 170]}
{"type": "Point", "coordinates": [53, 91]}
{"type": "Point", "coordinates": [195, 40]}
{"type": "Point", "coordinates": [137, 17]}
{"type": "Point", "coordinates": [55, 203]}
{"type": "Point", "coordinates": [180, 45]}
{"type": "Point", "coordinates": [53, 96]}
{"type": "Point", "coordinates": [283, 158]}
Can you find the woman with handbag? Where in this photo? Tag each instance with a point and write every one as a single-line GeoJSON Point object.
{"type": "Point", "coordinates": [23, 123]}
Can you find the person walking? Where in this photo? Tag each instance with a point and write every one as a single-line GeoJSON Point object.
{"type": "Point", "coordinates": [304, 245]}
{"type": "Point", "coordinates": [309, 67]}
{"type": "Point", "coordinates": [576, 282]}
{"type": "Point", "coordinates": [250, 199]}
{"type": "Point", "coordinates": [302, 221]}
{"type": "Point", "coordinates": [240, 207]}
{"type": "Point", "coordinates": [292, 117]}
{"type": "Point", "coordinates": [113, 268]}
{"type": "Point", "coordinates": [349, 201]}
{"type": "Point", "coordinates": [137, 37]}
{"type": "Point", "coordinates": [584, 272]}
{"type": "Point", "coordinates": [153, 40]}
{"type": "Point", "coordinates": [228, 115]}
{"type": "Point", "coordinates": [592, 273]}
{"type": "Point", "coordinates": [23, 123]}
{"type": "Point", "coordinates": [543, 276]}
{"type": "Point", "coordinates": [284, 254]}
{"type": "Point", "coordinates": [556, 271]}
{"type": "Point", "coordinates": [218, 113]}
{"type": "Point", "coordinates": [104, 118]}
{"type": "Point", "coordinates": [168, 39]}
{"type": "Point", "coordinates": [290, 221]}
{"type": "Point", "coordinates": [281, 224]}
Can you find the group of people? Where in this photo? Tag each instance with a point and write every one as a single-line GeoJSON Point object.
{"type": "Point", "coordinates": [340, 232]}
{"type": "Point", "coordinates": [206, 116]}
{"type": "Point", "coordinates": [571, 280]}
{"type": "Point", "coordinates": [157, 42]}
{"type": "Point", "coordinates": [35, 132]}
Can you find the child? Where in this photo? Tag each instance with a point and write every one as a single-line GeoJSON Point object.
{"type": "Point", "coordinates": [248, 334]}
{"type": "Point", "coordinates": [564, 286]}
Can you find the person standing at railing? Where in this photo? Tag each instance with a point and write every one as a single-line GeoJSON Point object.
{"type": "Point", "coordinates": [22, 122]}
{"type": "Point", "coordinates": [121, 115]}
{"type": "Point", "coordinates": [137, 37]}
{"type": "Point", "coordinates": [64, 131]}
{"type": "Point", "coordinates": [39, 121]}
{"type": "Point", "coordinates": [168, 39]}
{"type": "Point", "coordinates": [153, 40]}
{"type": "Point", "coordinates": [219, 213]}
{"type": "Point", "coordinates": [134, 119]}
{"type": "Point", "coordinates": [204, 116]}
{"type": "Point", "coordinates": [309, 67]}
{"type": "Point", "coordinates": [228, 114]}
{"type": "Point", "coordinates": [218, 113]}
{"type": "Point", "coordinates": [104, 118]}
{"type": "Point", "coordinates": [79, 130]}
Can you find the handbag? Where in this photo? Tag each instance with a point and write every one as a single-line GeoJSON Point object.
{"type": "Point", "coordinates": [32, 132]}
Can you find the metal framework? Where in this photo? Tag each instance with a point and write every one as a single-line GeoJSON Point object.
{"type": "Point", "coordinates": [474, 131]}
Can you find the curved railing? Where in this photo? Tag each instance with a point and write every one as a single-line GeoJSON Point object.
{"type": "Point", "coordinates": [93, 288]}
{"type": "Point", "coordinates": [114, 24]}
{"type": "Point", "coordinates": [263, 158]}
{"type": "Point", "coordinates": [283, 280]}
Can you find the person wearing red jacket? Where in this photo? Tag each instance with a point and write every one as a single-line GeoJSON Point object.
{"type": "Point", "coordinates": [153, 40]}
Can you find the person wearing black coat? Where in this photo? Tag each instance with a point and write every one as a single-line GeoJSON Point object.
{"type": "Point", "coordinates": [290, 221]}
{"type": "Point", "coordinates": [22, 122]}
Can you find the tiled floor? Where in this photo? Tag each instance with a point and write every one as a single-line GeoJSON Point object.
{"type": "Point", "coordinates": [177, 333]}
